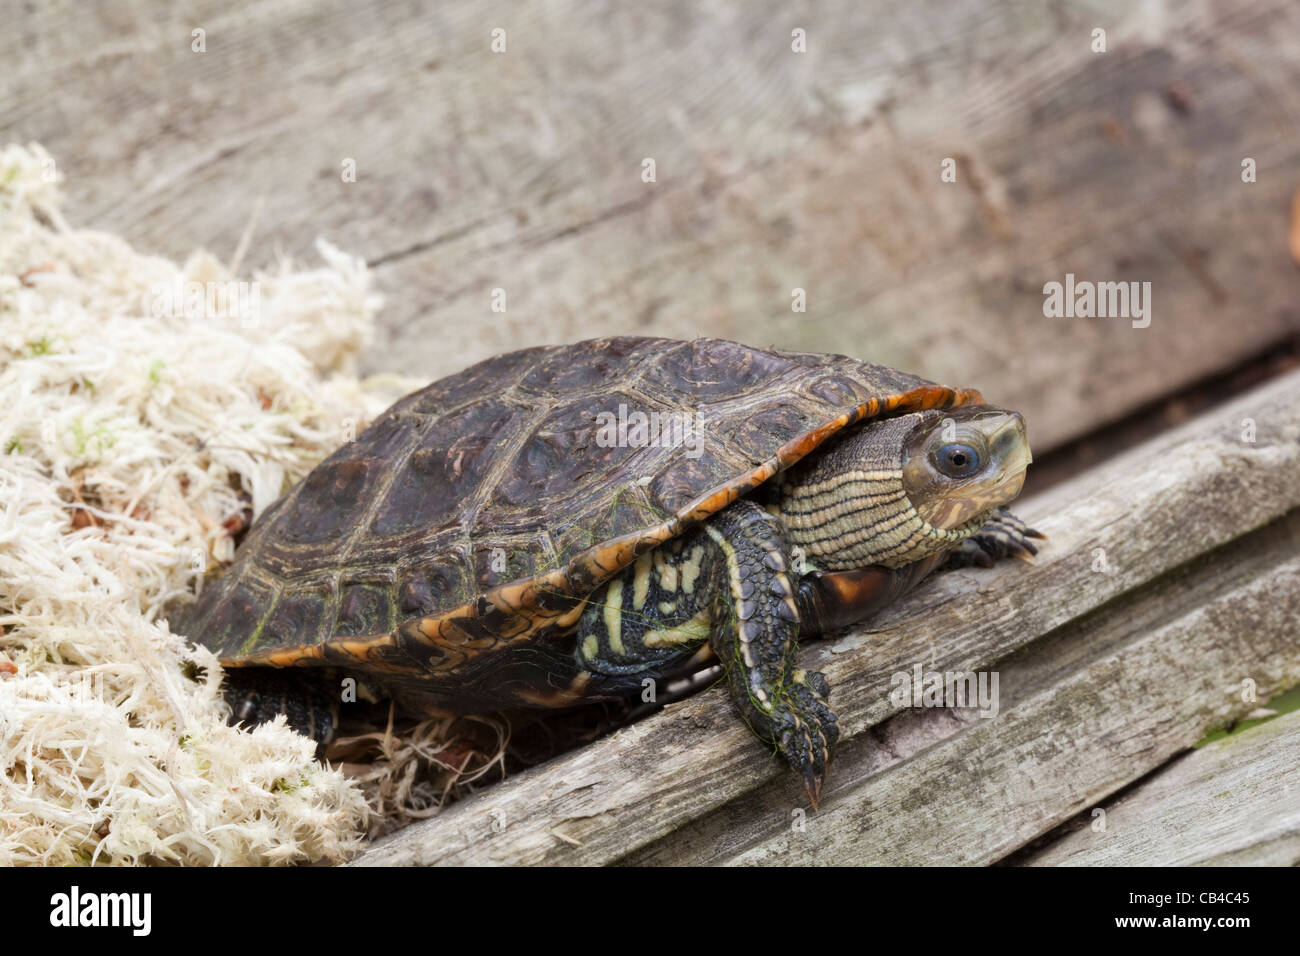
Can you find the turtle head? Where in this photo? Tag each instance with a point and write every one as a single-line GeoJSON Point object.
{"type": "Point", "coordinates": [963, 463]}
{"type": "Point", "coordinates": [901, 489]}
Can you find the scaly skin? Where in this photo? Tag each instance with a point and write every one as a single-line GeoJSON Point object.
{"type": "Point", "coordinates": [1003, 535]}
{"type": "Point", "coordinates": [755, 635]}
{"type": "Point", "coordinates": [733, 584]}
{"type": "Point", "coordinates": [734, 580]}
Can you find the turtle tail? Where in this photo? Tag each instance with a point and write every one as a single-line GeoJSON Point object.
{"type": "Point", "coordinates": [256, 695]}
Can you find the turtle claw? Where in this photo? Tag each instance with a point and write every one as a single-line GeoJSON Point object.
{"type": "Point", "coordinates": [811, 731]}
{"type": "Point", "coordinates": [809, 755]}
{"type": "Point", "coordinates": [813, 781]}
{"type": "Point", "coordinates": [1002, 536]}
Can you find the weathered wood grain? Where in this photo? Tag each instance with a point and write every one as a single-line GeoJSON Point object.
{"type": "Point", "coordinates": [1105, 675]}
{"type": "Point", "coordinates": [1235, 801]}
{"type": "Point", "coordinates": [996, 784]}
{"type": "Point", "coordinates": [775, 170]}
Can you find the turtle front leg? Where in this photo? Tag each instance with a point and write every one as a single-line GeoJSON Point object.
{"type": "Point", "coordinates": [755, 630]}
{"type": "Point", "coordinates": [1003, 535]}
{"type": "Point", "coordinates": [829, 600]}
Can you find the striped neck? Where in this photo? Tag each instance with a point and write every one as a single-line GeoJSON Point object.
{"type": "Point", "coordinates": [848, 508]}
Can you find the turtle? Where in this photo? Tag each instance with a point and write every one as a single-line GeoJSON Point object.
{"type": "Point", "coordinates": [573, 523]}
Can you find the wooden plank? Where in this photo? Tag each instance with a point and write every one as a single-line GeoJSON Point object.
{"type": "Point", "coordinates": [776, 170]}
{"type": "Point", "coordinates": [994, 785]}
{"type": "Point", "coordinates": [1235, 801]}
{"type": "Point", "coordinates": [1136, 663]}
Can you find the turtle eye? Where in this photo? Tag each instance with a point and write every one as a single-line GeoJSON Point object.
{"type": "Point", "coordinates": [957, 460]}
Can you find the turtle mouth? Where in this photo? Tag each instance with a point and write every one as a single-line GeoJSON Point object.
{"type": "Point", "coordinates": [997, 484]}
{"type": "Point", "coordinates": [955, 511]}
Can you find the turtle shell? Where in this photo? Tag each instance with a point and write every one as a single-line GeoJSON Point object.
{"type": "Point", "coordinates": [476, 514]}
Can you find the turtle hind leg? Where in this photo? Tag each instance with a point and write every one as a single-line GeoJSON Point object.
{"type": "Point", "coordinates": [1002, 536]}
{"type": "Point", "coordinates": [256, 695]}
